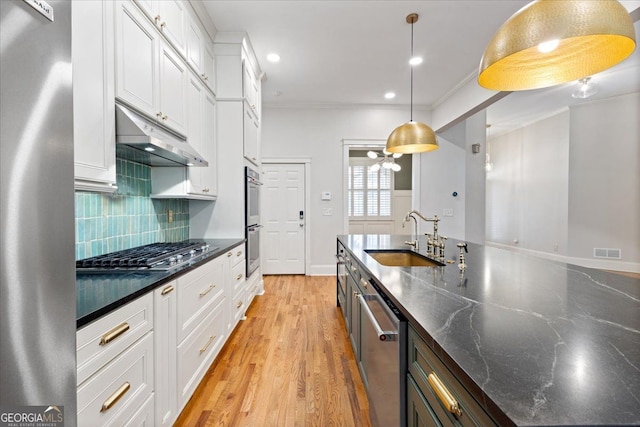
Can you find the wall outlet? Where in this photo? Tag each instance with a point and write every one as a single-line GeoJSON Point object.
{"type": "Point", "coordinates": [169, 216]}
{"type": "Point", "coordinates": [448, 212]}
{"type": "Point", "coordinates": [327, 211]}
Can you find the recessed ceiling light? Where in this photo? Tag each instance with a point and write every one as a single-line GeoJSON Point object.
{"type": "Point", "coordinates": [149, 149]}
{"type": "Point", "coordinates": [389, 95]}
{"type": "Point", "coordinates": [273, 57]}
{"type": "Point", "coordinates": [416, 60]}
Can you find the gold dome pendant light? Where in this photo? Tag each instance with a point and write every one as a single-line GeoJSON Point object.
{"type": "Point", "coordinates": [412, 137]}
{"type": "Point", "coordinates": [549, 42]}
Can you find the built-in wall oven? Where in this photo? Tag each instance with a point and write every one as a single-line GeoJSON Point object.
{"type": "Point", "coordinates": [252, 219]}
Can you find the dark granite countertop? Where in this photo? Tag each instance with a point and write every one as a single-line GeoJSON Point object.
{"type": "Point", "coordinates": [98, 294]}
{"type": "Point", "coordinates": [536, 342]}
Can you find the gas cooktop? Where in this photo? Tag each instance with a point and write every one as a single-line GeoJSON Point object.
{"type": "Point", "coordinates": [152, 257]}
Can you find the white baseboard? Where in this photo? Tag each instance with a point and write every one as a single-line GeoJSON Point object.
{"type": "Point", "coordinates": [322, 270]}
{"type": "Point", "coordinates": [600, 264]}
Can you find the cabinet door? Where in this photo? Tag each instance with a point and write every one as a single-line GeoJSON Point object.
{"type": "Point", "coordinates": [173, 24]}
{"type": "Point", "coordinates": [136, 59]}
{"type": "Point", "coordinates": [151, 8]}
{"type": "Point", "coordinates": [165, 351]}
{"type": "Point", "coordinates": [209, 146]}
{"type": "Point", "coordinates": [419, 413]}
{"type": "Point", "coordinates": [194, 132]}
{"type": "Point", "coordinates": [93, 107]}
{"type": "Point", "coordinates": [172, 89]}
{"type": "Point", "coordinates": [195, 40]}
{"type": "Point", "coordinates": [209, 66]}
{"type": "Point", "coordinates": [250, 135]}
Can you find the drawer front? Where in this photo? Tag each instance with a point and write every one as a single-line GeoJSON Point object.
{"type": "Point", "coordinates": [423, 363]}
{"type": "Point", "coordinates": [197, 352]}
{"type": "Point", "coordinates": [419, 413]}
{"type": "Point", "coordinates": [102, 340]}
{"type": "Point", "coordinates": [238, 307]}
{"type": "Point", "coordinates": [115, 393]}
{"type": "Point", "coordinates": [198, 291]}
{"type": "Point", "coordinates": [238, 255]}
{"type": "Point", "coordinates": [237, 276]}
{"type": "Point", "coordinates": [144, 417]}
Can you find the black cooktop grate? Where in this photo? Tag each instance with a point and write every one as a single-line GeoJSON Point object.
{"type": "Point", "coordinates": [140, 257]}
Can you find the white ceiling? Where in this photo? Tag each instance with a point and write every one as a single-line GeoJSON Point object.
{"type": "Point", "coordinates": [352, 52]}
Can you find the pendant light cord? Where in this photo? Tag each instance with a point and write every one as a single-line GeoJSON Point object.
{"type": "Point", "coordinates": [411, 79]}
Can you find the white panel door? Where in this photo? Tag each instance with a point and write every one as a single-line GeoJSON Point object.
{"type": "Point", "coordinates": [284, 225]}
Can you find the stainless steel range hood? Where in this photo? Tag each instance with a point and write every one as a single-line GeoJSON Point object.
{"type": "Point", "coordinates": [143, 141]}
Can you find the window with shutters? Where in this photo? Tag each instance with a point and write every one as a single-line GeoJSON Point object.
{"type": "Point", "coordinates": [369, 191]}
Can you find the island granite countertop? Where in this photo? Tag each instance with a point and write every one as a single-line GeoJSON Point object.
{"type": "Point", "coordinates": [536, 342]}
{"type": "Point", "coordinates": [100, 293]}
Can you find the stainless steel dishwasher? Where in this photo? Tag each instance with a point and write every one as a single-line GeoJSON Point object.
{"type": "Point", "coordinates": [383, 333]}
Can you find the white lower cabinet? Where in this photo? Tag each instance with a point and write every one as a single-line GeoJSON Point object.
{"type": "Point", "coordinates": [113, 394]}
{"type": "Point", "coordinates": [164, 326]}
{"type": "Point", "coordinates": [197, 351]}
{"type": "Point", "coordinates": [235, 286]}
{"type": "Point", "coordinates": [140, 364]}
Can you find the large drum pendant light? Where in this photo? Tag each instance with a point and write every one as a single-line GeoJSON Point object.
{"type": "Point", "coordinates": [549, 42]}
{"type": "Point", "coordinates": [412, 137]}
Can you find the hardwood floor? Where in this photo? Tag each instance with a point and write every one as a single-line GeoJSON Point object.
{"type": "Point", "coordinates": [288, 364]}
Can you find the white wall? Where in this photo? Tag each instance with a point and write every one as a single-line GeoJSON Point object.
{"type": "Point", "coordinates": [441, 173]}
{"type": "Point", "coordinates": [604, 177]}
{"type": "Point", "coordinates": [570, 183]}
{"type": "Point", "coordinates": [527, 190]}
{"type": "Point", "coordinates": [317, 133]}
{"type": "Point", "coordinates": [474, 179]}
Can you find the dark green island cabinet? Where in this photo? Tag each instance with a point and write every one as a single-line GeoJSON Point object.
{"type": "Point", "coordinates": [434, 396]}
{"type": "Point", "coordinates": [512, 340]}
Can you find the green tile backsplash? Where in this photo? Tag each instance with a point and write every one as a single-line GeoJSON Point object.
{"type": "Point", "coordinates": [128, 218]}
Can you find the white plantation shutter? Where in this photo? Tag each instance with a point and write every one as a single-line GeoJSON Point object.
{"type": "Point", "coordinates": [369, 191]}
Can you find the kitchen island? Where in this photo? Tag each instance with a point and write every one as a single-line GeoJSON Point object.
{"type": "Point", "coordinates": [534, 342]}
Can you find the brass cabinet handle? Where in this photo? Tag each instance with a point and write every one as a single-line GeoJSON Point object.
{"type": "Point", "coordinates": [111, 400]}
{"type": "Point", "coordinates": [239, 304]}
{"type": "Point", "coordinates": [239, 276]}
{"type": "Point", "coordinates": [157, 18]}
{"type": "Point", "coordinates": [165, 117]}
{"type": "Point", "coordinates": [238, 253]}
{"type": "Point", "coordinates": [164, 24]}
{"type": "Point", "coordinates": [167, 290]}
{"type": "Point", "coordinates": [203, 293]}
{"type": "Point", "coordinates": [446, 398]}
{"type": "Point", "coordinates": [114, 333]}
{"type": "Point", "coordinates": [229, 254]}
{"type": "Point", "coordinates": [203, 349]}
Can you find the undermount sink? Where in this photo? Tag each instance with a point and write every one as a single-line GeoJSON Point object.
{"type": "Point", "coordinates": [401, 258]}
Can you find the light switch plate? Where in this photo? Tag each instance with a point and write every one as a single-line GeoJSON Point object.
{"type": "Point", "coordinates": [448, 212]}
{"type": "Point", "coordinates": [326, 195]}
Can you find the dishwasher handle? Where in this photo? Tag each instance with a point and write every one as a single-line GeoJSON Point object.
{"type": "Point", "coordinates": [382, 335]}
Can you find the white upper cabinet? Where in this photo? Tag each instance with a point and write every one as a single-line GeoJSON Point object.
{"type": "Point", "coordinates": [172, 89]}
{"type": "Point", "coordinates": [195, 43]}
{"type": "Point", "coordinates": [93, 107]}
{"type": "Point", "coordinates": [194, 182]}
{"type": "Point", "coordinates": [209, 66]}
{"type": "Point", "coordinates": [170, 16]}
{"type": "Point", "coordinates": [150, 76]}
{"type": "Point", "coordinates": [251, 127]}
{"type": "Point", "coordinates": [136, 59]}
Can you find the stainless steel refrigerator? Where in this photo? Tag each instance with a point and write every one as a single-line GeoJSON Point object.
{"type": "Point", "coordinates": [37, 268]}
